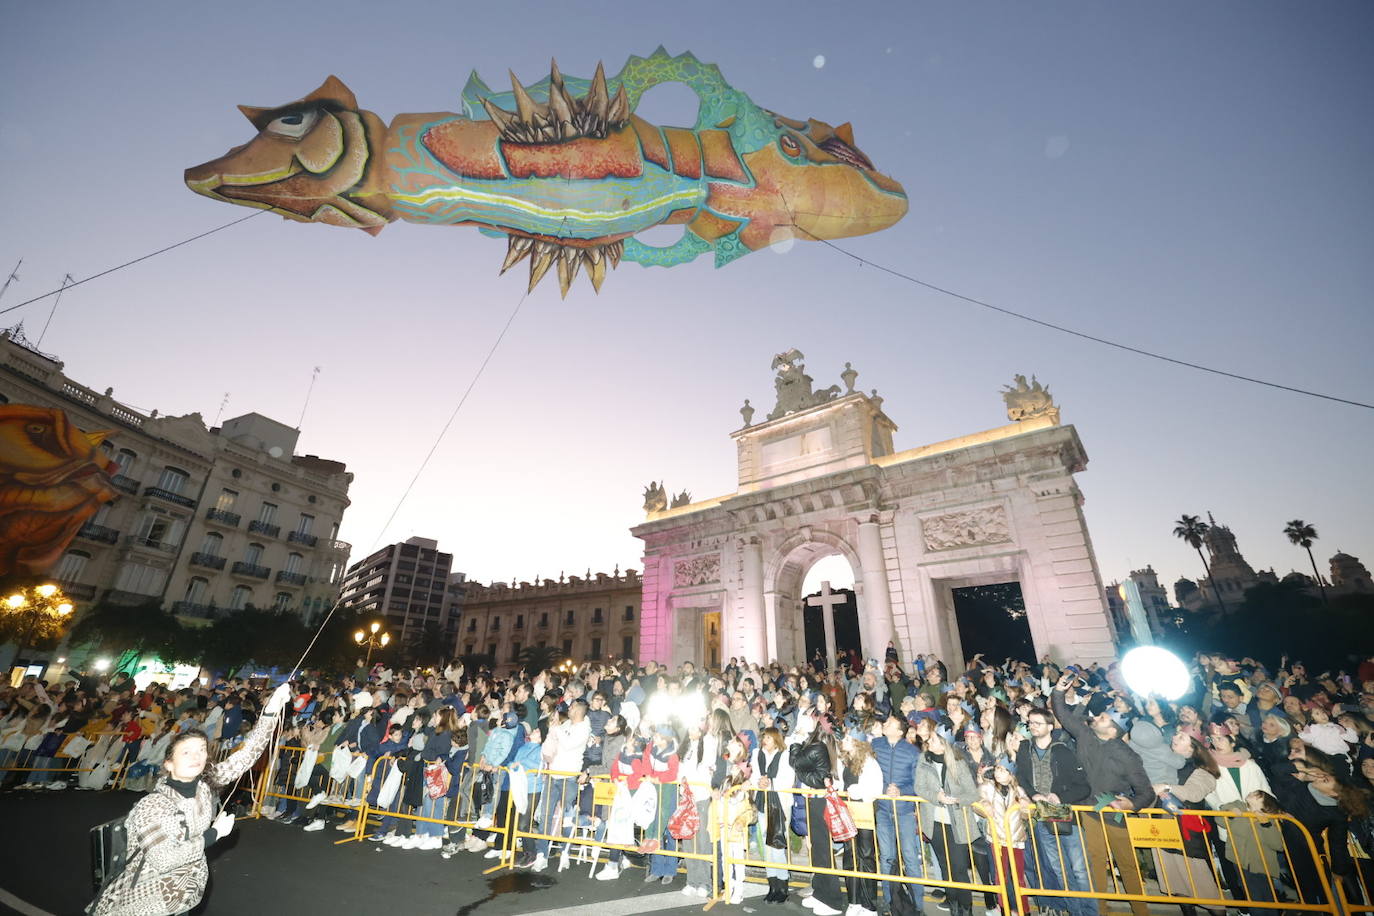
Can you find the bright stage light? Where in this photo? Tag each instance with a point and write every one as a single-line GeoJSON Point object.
{"type": "Point", "coordinates": [1152, 670]}
{"type": "Point", "coordinates": [102, 664]}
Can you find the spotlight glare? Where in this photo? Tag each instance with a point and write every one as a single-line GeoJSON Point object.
{"type": "Point", "coordinates": [1152, 670]}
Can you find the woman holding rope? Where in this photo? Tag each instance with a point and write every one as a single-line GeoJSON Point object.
{"type": "Point", "coordinates": [170, 828]}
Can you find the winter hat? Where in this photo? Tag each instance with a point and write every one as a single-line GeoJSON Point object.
{"type": "Point", "coordinates": [510, 720]}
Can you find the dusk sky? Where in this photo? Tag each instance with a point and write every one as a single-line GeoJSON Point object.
{"type": "Point", "coordinates": [1191, 178]}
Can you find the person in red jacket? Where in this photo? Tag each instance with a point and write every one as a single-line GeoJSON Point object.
{"type": "Point", "coordinates": [660, 767]}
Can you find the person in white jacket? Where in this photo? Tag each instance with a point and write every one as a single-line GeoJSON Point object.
{"type": "Point", "coordinates": [564, 752]}
{"type": "Point", "coordinates": [772, 775]}
{"type": "Point", "coordinates": [702, 767]}
{"type": "Point", "coordinates": [1327, 736]}
{"type": "Point", "coordinates": [863, 782]}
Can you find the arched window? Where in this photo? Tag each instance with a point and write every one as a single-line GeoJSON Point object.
{"type": "Point", "coordinates": [173, 480]}
{"type": "Point", "coordinates": [240, 598]}
{"type": "Point", "coordinates": [72, 566]}
{"type": "Point", "coordinates": [282, 601]}
{"type": "Point", "coordinates": [213, 544]}
{"type": "Point", "coordinates": [196, 590]}
{"type": "Point", "coordinates": [253, 555]}
{"type": "Point", "coordinates": [294, 562]}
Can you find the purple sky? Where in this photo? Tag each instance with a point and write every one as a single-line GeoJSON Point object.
{"type": "Point", "coordinates": [1192, 178]}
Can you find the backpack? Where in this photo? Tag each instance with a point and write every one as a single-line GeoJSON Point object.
{"type": "Point", "coordinates": [109, 852]}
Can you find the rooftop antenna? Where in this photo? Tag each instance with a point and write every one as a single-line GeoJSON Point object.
{"type": "Point", "coordinates": [14, 275]}
{"type": "Point", "coordinates": [313, 375]}
{"type": "Point", "coordinates": [222, 404]}
{"type": "Point", "coordinates": [66, 279]}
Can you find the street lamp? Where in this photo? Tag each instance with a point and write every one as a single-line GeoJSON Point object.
{"type": "Point", "coordinates": [37, 605]}
{"type": "Point", "coordinates": [371, 640]}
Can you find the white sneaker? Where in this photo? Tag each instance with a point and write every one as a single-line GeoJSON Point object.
{"type": "Point", "coordinates": [272, 813]}
{"type": "Point", "coordinates": [315, 801]}
{"type": "Point", "coordinates": [492, 854]}
{"type": "Point", "coordinates": [808, 901]}
{"type": "Point", "coordinates": [431, 842]}
{"type": "Point", "coordinates": [393, 839]}
{"type": "Point", "coordinates": [484, 822]}
{"type": "Point", "coordinates": [994, 911]}
{"type": "Point", "coordinates": [316, 824]}
{"type": "Point", "coordinates": [703, 892]}
{"type": "Point", "coordinates": [57, 786]}
{"type": "Point", "coordinates": [411, 842]}
{"type": "Point", "coordinates": [475, 844]}
{"type": "Point", "coordinates": [737, 897]}
{"type": "Point", "coordinates": [689, 891]}
{"type": "Point", "coordinates": [820, 909]}
{"type": "Point", "coordinates": [609, 872]}
{"type": "Point", "coordinates": [541, 862]}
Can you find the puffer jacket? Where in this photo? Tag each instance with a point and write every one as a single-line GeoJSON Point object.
{"type": "Point", "coordinates": [811, 764]}
{"type": "Point", "coordinates": [934, 776]}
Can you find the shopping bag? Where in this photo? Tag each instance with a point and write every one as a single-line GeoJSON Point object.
{"type": "Point", "coordinates": [644, 804]}
{"type": "Point", "coordinates": [620, 824]}
{"type": "Point", "coordinates": [838, 819]}
{"type": "Point", "coordinates": [686, 821]}
{"type": "Point", "coordinates": [304, 769]}
{"type": "Point", "coordinates": [437, 778]}
{"type": "Point", "coordinates": [357, 766]}
{"type": "Point", "coordinates": [391, 783]}
{"type": "Point", "coordinates": [339, 762]}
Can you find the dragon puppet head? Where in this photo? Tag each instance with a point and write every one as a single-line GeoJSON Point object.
{"type": "Point", "coordinates": [814, 183]}
{"type": "Point", "coordinates": [311, 161]}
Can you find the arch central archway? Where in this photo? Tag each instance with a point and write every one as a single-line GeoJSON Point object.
{"type": "Point", "coordinates": [783, 593]}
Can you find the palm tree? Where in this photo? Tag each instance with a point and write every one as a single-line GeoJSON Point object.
{"type": "Point", "coordinates": [1302, 535]}
{"type": "Point", "coordinates": [1193, 529]}
{"type": "Point", "coordinates": [535, 659]}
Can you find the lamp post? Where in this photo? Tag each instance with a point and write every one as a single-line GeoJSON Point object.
{"type": "Point", "coordinates": [37, 604]}
{"type": "Point", "coordinates": [372, 640]}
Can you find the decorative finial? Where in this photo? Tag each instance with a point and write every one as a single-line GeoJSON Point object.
{"type": "Point", "coordinates": [848, 376]}
{"type": "Point", "coordinates": [876, 400]}
{"type": "Point", "coordinates": [748, 413]}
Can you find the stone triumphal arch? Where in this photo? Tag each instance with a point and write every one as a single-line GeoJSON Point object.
{"type": "Point", "coordinates": [819, 476]}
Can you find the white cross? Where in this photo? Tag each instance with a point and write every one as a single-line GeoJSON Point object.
{"type": "Point", "coordinates": [827, 601]}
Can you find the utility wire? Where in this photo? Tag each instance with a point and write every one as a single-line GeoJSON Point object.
{"type": "Point", "coordinates": [451, 417]}
{"type": "Point", "coordinates": [67, 286]}
{"type": "Point", "coordinates": [1082, 334]}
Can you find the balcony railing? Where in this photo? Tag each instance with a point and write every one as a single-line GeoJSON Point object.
{"type": "Point", "coordinates": [190, 609]}
{"type": "Point", "coordinates": [127, 484]}
{"type": "Point", "coordinates": [290, 578]}
{"type": "Point", "coordinates": [299, 537]}
{"type": "Point", "coordinates": [123, 598]}
{"type": "Point", "coordinates": [207, 560]}
{"type": "Point", "coordinates": [77, 590]}
{"type": "Point", "coordinates": [93, 532]}
{"type": "Point", "coordinates": [222, 517]}
{"type": "Point", "coordinates": [250, 570]}
{"type": "Point", "coordinates": [264, 528]}
{"type": "Point", "coordinates": [150, 544]}
{"type": "Point", "coordinates": [170, 497]}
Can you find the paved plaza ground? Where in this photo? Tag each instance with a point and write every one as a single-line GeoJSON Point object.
{"type": "Point", "coordinates": [266, 869]}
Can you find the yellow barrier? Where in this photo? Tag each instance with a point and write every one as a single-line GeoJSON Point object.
{"type": "Point", "coordinates": [459, 812]}
{"type": "Point", "coordinates": [575, 819]}
{"type": "Point", "coordinates": [915, 824]}
{"type": "Point", "coordinates": [1152, 857]}
{"type": "Point", "coordinates": [1355, 889]}
{"type": "Point", "coordinates": [348, 793]}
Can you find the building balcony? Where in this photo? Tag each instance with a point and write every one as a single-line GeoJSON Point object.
{"type": "Point", "coordinates": [297, 537]}
{"type": "Point", "coordinates": [190, 609]}
{"type": "Point", "coordinates": [93, 532]}
{"type": "Point", "coordinates": [290, 578]}
{"type": "Point", "coordinates": [128, 599]}
{"type": "Point", "coordinates": [77, 591]}
{"type": "Point", "coordinates": [169, 496]}
{"type": "Point", "coordinates": [222, 517]}
{"type": "Point", "coordinates": [250, 570]}
{"type": "Point", "coordinates": [260, 527]}
{"type": "Point", "coordinates": [142, 543]}
{"type": "Point", "coordinates": [207, 560]}
{"type": "Point", "coordinates": [127, 484]}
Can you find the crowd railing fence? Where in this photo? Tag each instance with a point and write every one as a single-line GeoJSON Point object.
{"type": "Point", "coordinates": [1191, 855]}
{"type": "Point", "coordinates": [573, 827]}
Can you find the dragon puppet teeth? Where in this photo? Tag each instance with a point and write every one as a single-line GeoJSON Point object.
{"type": "Point", "coordinates": [566, 259]}
{"type": "Point", "coordinates": [563, 117]}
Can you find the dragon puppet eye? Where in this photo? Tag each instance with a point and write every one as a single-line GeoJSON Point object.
{"type": "Point", "coordinates": [36, 429]}
{"type": "Point", "coordinates": [790, 146]}
{"type": "Point", "coordinates": [294, 125]}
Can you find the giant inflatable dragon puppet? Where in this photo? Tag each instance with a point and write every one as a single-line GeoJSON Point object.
{"type": "Point", "coordinates": [53, 477]}
{"type": "Point", "coordinates": [564, 170]}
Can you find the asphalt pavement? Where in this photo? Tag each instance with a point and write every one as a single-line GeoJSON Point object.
{"type": "Point", "coordinates": [265, 868]}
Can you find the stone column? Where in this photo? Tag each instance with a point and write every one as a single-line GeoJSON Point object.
{"type": "Point", "coordinates": [877, 610]}
{"type": "Point", "coordinates": [756, 636]}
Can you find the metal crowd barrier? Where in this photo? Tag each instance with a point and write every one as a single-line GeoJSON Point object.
{"type": "Point", "coordinates": [580, 814]}
{"type": "Point", "coordinates": [1263, 862]}
{"type": "Point", "coordinates": [23, 759]}
{"type": "Point", "coordinates": [966, 866]}
{"type": "Point", "coordinates": [461, 812]}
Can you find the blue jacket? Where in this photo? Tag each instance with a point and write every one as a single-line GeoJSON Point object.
{"type": "Point", "coordinates": [898, 763]}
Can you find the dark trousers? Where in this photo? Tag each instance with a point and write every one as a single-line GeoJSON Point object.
{"type": "Point", "coordinates": [826, 888]}
{"type": "Point", "coordinates": [861, 854]}
{"type": "Point", "coordinates": [954, 862]}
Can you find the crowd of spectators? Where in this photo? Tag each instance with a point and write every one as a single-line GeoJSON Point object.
{"type": "Point", "coordinates": [964, 765]}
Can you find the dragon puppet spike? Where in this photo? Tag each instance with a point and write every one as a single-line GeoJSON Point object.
{"type": "Point", "coordinates": [564, 170]}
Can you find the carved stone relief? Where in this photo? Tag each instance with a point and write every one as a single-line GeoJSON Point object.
{"type": "Point", "coordinates": [696, 571]}
{"type": "Point", "coordinates": [966, 528]}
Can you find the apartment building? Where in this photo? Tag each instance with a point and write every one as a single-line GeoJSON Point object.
{"type": "Point", "coordinates": [208, 519]}
{"type": "Point", "coordinates": [586, 618]}
{"type": "Point", "coordinates": [407, 586]}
